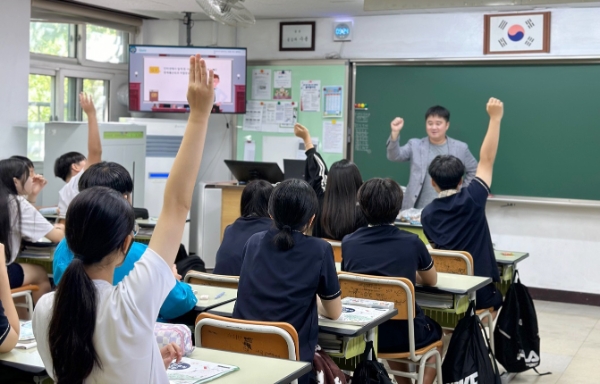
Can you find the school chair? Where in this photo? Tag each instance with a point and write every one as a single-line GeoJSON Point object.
{"type": "Point", "coordinates": [263, 338]}
{"type": "Point", "coordinates": [337, 249]}
{"type": "Point", "coordinates": [461, 263]}
{"type": "Point", "coordinates": [203, 278]}
{"type": "Point", "coordinates": [25, 291]}
{"type": "Point", "coordinates": [402, 292]}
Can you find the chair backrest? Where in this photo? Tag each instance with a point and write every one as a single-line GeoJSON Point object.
{"type": "Point", "coordinates": [141, 213]}
{"type": "Point", "coordinates": [263, 338]}
{"type": "Point", "coordinates": [203, 278]}
{"type": "Point", "coordinates": [456, 262]}
{"type": "Point", "coordinates": [337, 249]}
{"type": "Point", "coordinates": [25, 288]}
{"type": "Point", "coordinates": [398, 290]}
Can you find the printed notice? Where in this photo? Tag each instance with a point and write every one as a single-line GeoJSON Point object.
{"type": "Point", "coordinates": [253, 116]}
{"type": "Point", "coordinates": [282, 84]}
{"type": "Point", "coordinates": [310, 95]}
{"type": "Point", "coordinates": [261, 84]}
{"type": "Point", "coordinates": [333, 101]}
{"type": "Point", "coordinates": [333, 136]}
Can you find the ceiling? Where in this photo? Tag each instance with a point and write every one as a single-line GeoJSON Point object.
{"type": "Point", "coordinates": [282, 9]}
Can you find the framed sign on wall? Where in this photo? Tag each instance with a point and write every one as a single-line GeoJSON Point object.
{"type": "Point", "coordinates": [514, 33]}
{"type": "Point", "coordinates": [297, 36]}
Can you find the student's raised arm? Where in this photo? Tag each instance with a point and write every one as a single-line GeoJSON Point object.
{"type": "Point", "coordinates": [9, 339]}
{"type": "Point", "coordinates": [94, 144]}
{"type": "Point", "coordinates": [180, 184]}
{"type": "Point", "coordinates": [489, 148]}
{"type": "Point", "coordinates": [315, 169]}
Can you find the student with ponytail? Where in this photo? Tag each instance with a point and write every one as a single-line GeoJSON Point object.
{"type": "Point", "coordinates": [91, 331]}
{"type": "Point", "coordinates": [283, 270]}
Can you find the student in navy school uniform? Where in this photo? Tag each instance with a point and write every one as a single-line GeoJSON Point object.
{"type": "Point", "coordinates": [381, 249]}
{"type": "Point", "coordinates": [338, 213]}
{"type": "Point", "coordinates": [284, 270]}
{"type": "Point", "coordinates": [255, 218]}
{"type": "Point", "coordinates": [456, 219]}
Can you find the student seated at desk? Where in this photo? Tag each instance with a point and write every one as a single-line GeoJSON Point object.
{"type": "Point", "coordinates": [284, 270]}
{"type": "Point", "coordinates": [338, 213]}
{"type": "Point", "coordinates": [255, 218]}
{"type": "Point", "coordinates": [22, 221]}
{"type": "Point", "coordinates": [456, 219]}
{"type": "Point", "coordinates": [70, 166]}
{"type": "Point", "coordinates": [181, 299]}
{"type": "Point", "coordinates": [91, 331]}
{"type": "Point", "coordinates": [38, 181]}
{"type": "Point", "coordinates": [381, 249]}
{"type": "Point", "coordinates": [9, 320]}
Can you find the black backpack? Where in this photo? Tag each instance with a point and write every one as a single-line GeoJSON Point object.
{"type": "Point", "coordinates": [516, 337]}
{"type": "Point", "coordinates": [370, 371]}
{"type": "Point", "coordinates": [468, 358]}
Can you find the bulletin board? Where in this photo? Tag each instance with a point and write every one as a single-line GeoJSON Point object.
{"type": "Point", "coordinates": [313, 93]}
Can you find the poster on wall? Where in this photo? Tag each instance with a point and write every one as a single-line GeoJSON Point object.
{"type": "Point", "coordinates": [310, 96]}
{"type": "Point", "coordinates": [261, 84]}
{"type": "Point", "coordinates": [282, 85]}
{"type": "Point", "coordinates": [334, 101]}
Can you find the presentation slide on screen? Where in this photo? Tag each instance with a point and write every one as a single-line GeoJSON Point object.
{"type": "Point", "coordinates": [159, 76]}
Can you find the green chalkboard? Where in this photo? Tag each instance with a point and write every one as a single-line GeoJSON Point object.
{"type": "Point", "coordinates": [550, 136]}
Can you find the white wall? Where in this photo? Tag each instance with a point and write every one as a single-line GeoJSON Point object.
{"type": "Point", "coordinates": [574, 31]}
{"type": "Point", "coordinates": [14, 76]}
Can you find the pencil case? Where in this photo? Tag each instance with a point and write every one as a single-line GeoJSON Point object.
{"type": "Point", "coordinates": [179, 334]}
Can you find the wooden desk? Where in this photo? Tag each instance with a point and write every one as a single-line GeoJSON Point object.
{"type": "Point", "coordinates": [204, 305]}
{"type": "Point", "coordinates": [455, 284]}
{"type": "Point", "coordinates": [28, 360]}
{"type": "Point", "coordinates": [252, 368]}
{"type": "Point", "coordinates": [509, 257]}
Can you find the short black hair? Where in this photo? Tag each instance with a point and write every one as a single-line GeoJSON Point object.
{"type": "Point", "coordinates": [107, 174]}
{"type": "Point", "coordinates": [439, 111]}
{"type": "Point", "coordinates": [216, 76]}
{"type": "Point", "coordinates": [24, 159]}
{"type": "Point", "coordinates": [380, 200]}
{"type": "Point", "coordinates": [447, 171]}
{"type": "Point", "coordinates": [62, 165]}
{"type": "Point", "coordinates": [255, 199]}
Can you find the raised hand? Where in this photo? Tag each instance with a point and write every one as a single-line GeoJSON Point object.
{"type": "Point", "coordinates": [301, 131]}
{"type": "Point", "coordinates": [397, 124]}
{"type": "Point", "coordinates": [87, 104]}
{"type": "Point", "coordinates": [495, 108]}
{"type": "Point", "coordinates": [200, 94]}
{"type": "Point", "coordinates": [39, 182]}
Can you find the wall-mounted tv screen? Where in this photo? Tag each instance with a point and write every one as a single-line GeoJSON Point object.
{"type": "Point", "coordinates": [158, 78]}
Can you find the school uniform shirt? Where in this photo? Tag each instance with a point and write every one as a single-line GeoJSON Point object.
{"type": "Point", "coordinates": [125, 317]}
{"type": "Point", "coordinates": [181, 299]}
{"type": "Point", "coordinates": [282, 285]}
{"type": "Point", "coordinates": [388, 251]}
{"type": "Point", "coordinates": [30, 225]}
{"type": "Point", "coordinates": [229, 255]}
{"type": "Point", "coordinates": [315, 174]}
{"type": "Point", "coordinates": [67, 193]}
{"type": "Point", "coordinates": [4, 325]}
{"type": "Point", "coordinates": [458, 222]}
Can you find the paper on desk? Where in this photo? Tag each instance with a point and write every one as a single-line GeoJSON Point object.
{"type": "Point", "coordinates": [357, 315]}
{"type": "Point", "coordinates": [333, 136]}
{"type": "Point", "coordinates": [190, 371]}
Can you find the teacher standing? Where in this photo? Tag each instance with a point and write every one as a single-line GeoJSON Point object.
{"type": "Point", "coordinates": [420, 153]}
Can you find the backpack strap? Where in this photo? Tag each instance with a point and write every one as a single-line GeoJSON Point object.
{"type": "Point", "coordinates": [488, 345]}
{"type": "Point", "coordinates": [516, 276]}
{"type": "Point", "coordinates": [541, 374]}
{"type": "Point", "coordinates": [369, 349]}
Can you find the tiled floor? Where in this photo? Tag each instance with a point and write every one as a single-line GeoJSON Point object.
{"type": "Point", "coordinates": [570, 344]}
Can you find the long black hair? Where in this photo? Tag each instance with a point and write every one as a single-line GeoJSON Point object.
{"type": "Point", "coordinates": [292, 205]}
{"type": "Point", "coordinates": [339, 216]}
{"type": "Point", "coordinates": [9, 170]}
{"type": "Point", "coordinates": [98, 222]}
{"type": "Point", "coordinates": [255, 199]}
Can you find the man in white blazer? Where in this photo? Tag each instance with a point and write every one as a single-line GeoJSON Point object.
{"type": "Point", "coordinates": [420, 153]}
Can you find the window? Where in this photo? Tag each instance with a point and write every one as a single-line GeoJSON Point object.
{"type": "Point", "coordinates": [57, 39]}
{"type": "Point", "coordinates": [70, 106]}
{"type": "Point", "coordinates": [106, 45]}
{"type": "Point", "coordinates": [40, 111]}
{"type": "Point", "coordinates": [99, 91]}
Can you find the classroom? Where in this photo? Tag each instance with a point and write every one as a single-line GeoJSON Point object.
{"type": "Point", "coordinates": [317, 191]}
